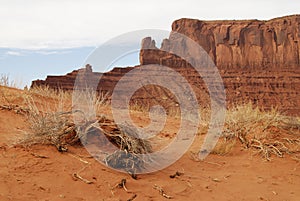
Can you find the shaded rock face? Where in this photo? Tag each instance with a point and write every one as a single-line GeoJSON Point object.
{"type": "Point", "coordinates": [259, 61]}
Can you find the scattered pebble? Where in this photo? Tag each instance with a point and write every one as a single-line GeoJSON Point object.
{"type": "Point", "coordinates": [216, 180]}
{"type": "Point", "coordinates": [260, 180]}
{"type": "Point", "coordinates": [62, 196]}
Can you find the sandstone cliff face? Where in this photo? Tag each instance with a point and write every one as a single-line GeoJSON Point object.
{"type": "Point", "coordinates": [243, 44]}
{"type": "Point", "coordinates": [247, 44]}
{"type": "Point", "coordinates": [258, 61]}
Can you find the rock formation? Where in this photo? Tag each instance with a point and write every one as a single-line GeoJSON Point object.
{"type": "Point", "coordinates": [259, 61]}
{"type": "Point", "coordinates": [249, 44]}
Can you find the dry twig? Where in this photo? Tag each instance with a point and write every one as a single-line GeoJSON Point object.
{"type": "Point", "coordinates": [122, 184]}
{"type": "Point", "coordinates": [267, 148]}
{"type": "Point", "coordinates": [78, 158]}
{"type": "Point", "coordinates": [39, 156]}
{"type": "Point", "coordinates": [162, 192]}
{"type": "Point", "coordinates": [132, 198]}
{"type": "Point", "coordinates": [77, 176]}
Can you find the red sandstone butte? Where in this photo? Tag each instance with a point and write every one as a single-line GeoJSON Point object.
{"type": "Point", "coordinates": [259, 61]}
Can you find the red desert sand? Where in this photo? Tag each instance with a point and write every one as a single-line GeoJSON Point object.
{"type": "Point", "coordinates": [40, 172]}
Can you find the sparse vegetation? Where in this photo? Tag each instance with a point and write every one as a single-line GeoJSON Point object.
{"type": "Point", "coordinates": [49, 124]}
{"type": "Point", "coordinates": [4, 80]}
{"type": "Point", "coordinates": [50, 115]}
{"type": "Point", "coordinates": [268, 132]}
{"type": "Point", "coordinates": [48, 92]}
{"type": "Point", "coordinates": [224, 146]}
{"type": "Point", "coordinates": [7, 82]}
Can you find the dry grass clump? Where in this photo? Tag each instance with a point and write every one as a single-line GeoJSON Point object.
{"type": "Point", "coordinates": [51, 123]}
{"type": "Point", "coordinates": [224, 146]}
{"type": "Point", "coordinates": [48, 125]}
{"type": "Point", "coordinates": [90, 103]}
{"type": "Point", "coordinates": [50, 116]}
{"type": "Point", "coordinates": [269, 132]}
{"type": "Point", "coordinates": [4, 80]}
{"type": "Point", "coordinates": [7, 82]}
{"type": "Point", "coordinates": [46, 91]}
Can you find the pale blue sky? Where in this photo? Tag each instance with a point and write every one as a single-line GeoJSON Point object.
{"type": "Point", "coordinates": [56, 36]}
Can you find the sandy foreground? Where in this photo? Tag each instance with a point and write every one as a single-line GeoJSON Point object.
{"type": "Point", "coordinates": [41, 172]}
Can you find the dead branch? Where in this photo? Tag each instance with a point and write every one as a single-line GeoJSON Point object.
{"type": "Point", "coordinates": [39, 156]}
{"type": "Point", "coordinates": [132, 198]}
{"type": "Point", "coordinates": [162, 192]}
{"type": "Point", "coordinates": [77, 176]}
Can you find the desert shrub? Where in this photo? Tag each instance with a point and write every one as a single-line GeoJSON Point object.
{"type": "Point", "coordinates": [245, 120]}
{"type": "Point", "coordinates": [4, 80]}
{"type": "Point", "coordinates": [50, 116]}
{"type": "Point", "coordinates": [53, 125]}
{"type": "Point", "coordinates": [48, 124]}
{"type": "Point", "coordinates": [90, 103]}
{"type": "Point", "coordinates": [265, 131]}
{"type": "Point", "coordinates": [7, 82]}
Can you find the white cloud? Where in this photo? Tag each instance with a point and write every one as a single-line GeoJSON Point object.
{"type": "Point", "coordinates": [14, 53]}
{"type": "Point", "coordinates": [52, 24]}
{"type": "Point", "coordinates": [51, 52]}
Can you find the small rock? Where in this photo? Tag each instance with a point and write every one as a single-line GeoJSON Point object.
{"type": "Point", "coordinates": [216, 180]}
{"type": "Point", "coordinates": [62, 196]}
